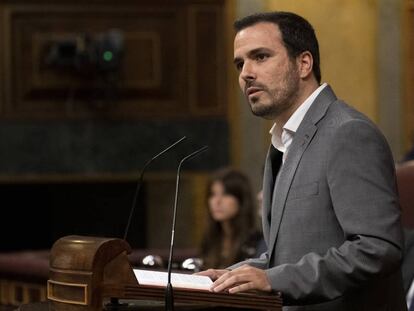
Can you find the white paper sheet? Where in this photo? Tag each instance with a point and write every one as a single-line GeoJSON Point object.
{"type": "Point", "coordinates": [157, 278]}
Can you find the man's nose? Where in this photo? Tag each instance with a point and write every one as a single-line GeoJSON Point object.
{"type": "Point", "coordinates": [248, 73]}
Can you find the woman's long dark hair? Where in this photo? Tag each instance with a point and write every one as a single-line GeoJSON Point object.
{"type": "Point", "coordinates": [236, 184]}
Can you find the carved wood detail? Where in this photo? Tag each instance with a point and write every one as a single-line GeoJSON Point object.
{"type": "Point", "coordinates": [409, 79]}
{"type": "Point", "coordinates": [173, 65]}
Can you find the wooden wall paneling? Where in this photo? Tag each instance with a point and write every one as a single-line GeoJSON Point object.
{"type": "Point", "coordinates": [5, 59]}
{"type": "Point", "coordinates": [409, 76]}
{"type": "Point", "coordinates": [199, 207]}
{"type": "Point", "coordinates": [207, 60]}
{"type": "Point", "coordinates": [160, 191]}
{"type": "Point", "coordinates": [2, 73]}
{"type": "Point", "coordinates": [150, 77]}
{"type": "Point", "coordinates": [173, 48]}
{"type": "Point", "coordinates": [167, 70]}
{"type": "Point", "coordinates": [153, 107]}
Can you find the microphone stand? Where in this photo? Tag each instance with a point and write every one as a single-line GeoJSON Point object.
{"type": "Point", "coordinates": [114, 302]}
{"type": "Point", "coordinates": [141, 176]}
{"type": "Point", "coordinates": [169, 292]}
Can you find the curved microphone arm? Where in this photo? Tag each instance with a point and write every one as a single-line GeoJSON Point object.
{"type": "Point", "coordinates": [141, 176]}
{"type": "Point", "coordinates": [169, 295]}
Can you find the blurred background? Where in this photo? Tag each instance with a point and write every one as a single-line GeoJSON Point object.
{"type": "Point", "coordinates": [91, 89]}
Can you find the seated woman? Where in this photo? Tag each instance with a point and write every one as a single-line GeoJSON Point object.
{"type": "Point", "coordinates": [231, 233]}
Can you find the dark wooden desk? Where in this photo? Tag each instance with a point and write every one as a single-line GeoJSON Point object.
{"type": "Point", "coordinates": [87, 271]}
{"type": "Point", "coordinates": [132, 306]}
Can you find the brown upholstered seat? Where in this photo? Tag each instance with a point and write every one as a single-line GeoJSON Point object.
{"type": "Point", "coordinates": [405, 182]}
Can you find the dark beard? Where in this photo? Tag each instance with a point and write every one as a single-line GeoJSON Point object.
{"type": "Point", "coordinates": [283, 100]}
{"type": "Point", "coordinates": [276, 108]}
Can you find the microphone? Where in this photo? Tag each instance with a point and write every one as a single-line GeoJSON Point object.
{"type": "Point", "coordinates": [169, 295]}
{"type": "Point", "coordinates": [134, 202]}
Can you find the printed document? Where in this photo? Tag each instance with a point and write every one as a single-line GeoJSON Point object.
{"type": "Point", "coordinates": [157, 278]}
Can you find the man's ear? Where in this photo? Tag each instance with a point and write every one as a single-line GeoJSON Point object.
{"type": "Point", "coordinates": [305, 64]}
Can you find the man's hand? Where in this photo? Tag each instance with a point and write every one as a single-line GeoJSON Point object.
{"type": "Point", "coordinates": [242, 279]}
{"type": "Point", "coordinates": [213, 274]}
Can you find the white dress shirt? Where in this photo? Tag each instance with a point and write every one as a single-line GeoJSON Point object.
{"type": "Point", "coordinates": [282, 141]}
{"type": "Point", "coordinates": [410, 295]}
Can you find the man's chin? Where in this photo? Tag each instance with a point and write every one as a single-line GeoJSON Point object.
{"type": "Point", "coordinates": [262, 112]}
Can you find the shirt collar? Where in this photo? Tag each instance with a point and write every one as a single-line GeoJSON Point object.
{"type": "Point", "coordinates": [292, 125]}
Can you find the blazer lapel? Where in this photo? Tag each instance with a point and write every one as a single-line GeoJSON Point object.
{"type": "Point", "coordinates": [285, 179]}
{"type": "Point", "coordinates": [303, 137]}
{"type": "Point", "coordinates": [267, 196]}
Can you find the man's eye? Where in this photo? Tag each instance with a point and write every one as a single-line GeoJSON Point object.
{"type": "Point", "coordinates": [261, 57]}
{"type": "Point", "coordinates": [239, 66]}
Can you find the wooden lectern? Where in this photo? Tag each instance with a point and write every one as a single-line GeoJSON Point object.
{"type": "Point", "coordinates": [87, 271]}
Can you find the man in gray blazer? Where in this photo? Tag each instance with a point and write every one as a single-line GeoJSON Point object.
{"type": "Point", "coordinates": [408, 267]}
{"type": "Point", "coordinates": [331, 218]}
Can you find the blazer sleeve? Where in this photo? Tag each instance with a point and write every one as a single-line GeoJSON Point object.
{"type": "Point", "coordinates": [408, 262]}
{"type": "Point", "coordinates": [361, 178]}
{"type": "Point", "coordinates": [261, 262]}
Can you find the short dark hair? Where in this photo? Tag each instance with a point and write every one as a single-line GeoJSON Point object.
{"type": "Point", "coordinates": [298, 34]}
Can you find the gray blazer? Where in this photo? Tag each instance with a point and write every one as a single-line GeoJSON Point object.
{"type": "Point", "coordinates": [333, 227]}
{"type": "Point", "coordinates": [408, 262]}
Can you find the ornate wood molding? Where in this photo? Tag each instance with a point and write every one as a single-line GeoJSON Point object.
{"type": "Point", "coordinates": [173, 63]}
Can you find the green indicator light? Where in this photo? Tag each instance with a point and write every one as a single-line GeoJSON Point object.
{"type": "Point", "coordinates": [107, 56]}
